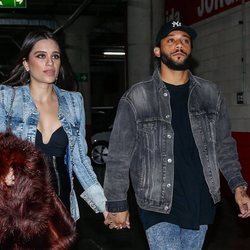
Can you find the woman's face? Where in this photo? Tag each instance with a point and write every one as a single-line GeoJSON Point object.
{"type": "Point", "coordinates": [43, 62]}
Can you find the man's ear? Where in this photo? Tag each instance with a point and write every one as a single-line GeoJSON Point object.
{"type": "Point", "coordinates": [25, 64]}
{"type": "Point", "coordinates": [157, 51]}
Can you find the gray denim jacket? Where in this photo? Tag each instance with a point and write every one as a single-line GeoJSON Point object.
{"type": "Point", "coordinates": [141, 144]}
{"type": "Point", "coordinates": [23, 123]}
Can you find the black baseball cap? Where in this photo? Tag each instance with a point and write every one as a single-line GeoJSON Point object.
{"type": "Point", "coordinates": [171, 26]}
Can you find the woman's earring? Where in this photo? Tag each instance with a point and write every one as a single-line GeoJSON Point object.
{"type": "Point", "coordinates": [26, 68]}
{"type": "Point", "coordinates": [25, 65]}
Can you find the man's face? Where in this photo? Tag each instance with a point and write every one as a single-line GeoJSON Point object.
{"type": "Point", "coordinates": [175, 50]}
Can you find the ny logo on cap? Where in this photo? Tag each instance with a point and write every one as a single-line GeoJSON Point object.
{"type": "Point", "coordinates": [176, 24]}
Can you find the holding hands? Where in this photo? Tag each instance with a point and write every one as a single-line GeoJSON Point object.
{"type": "Point", "coordinates": [118, 220]}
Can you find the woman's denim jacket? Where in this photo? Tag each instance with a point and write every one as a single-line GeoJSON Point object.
{"type": "Point", "coordinates": [142, 143]}
{"type": "Point", "coordinates": [22, 118]}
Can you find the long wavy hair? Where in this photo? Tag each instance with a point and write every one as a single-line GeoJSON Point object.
{"type": "Point", "coordinates": [19, 76]}
{"type": "Point", "coordinates": [31, 214]}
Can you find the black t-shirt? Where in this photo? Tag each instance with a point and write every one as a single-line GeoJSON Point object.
{"type": "Point", "coordinates": [192, 203]}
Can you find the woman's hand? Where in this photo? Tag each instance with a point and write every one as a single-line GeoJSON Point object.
{"type": "Point", "coordinates": [105, 214]}
{"type": "Point", "coordinates": [118, 220]}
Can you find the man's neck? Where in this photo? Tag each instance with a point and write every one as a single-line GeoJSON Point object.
{"type": "Point", "coordinates": [174, 77]}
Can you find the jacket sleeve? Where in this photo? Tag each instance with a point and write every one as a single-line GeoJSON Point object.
{"type": "Point", "coordinates": [5, 102]}
{"type": "Point", "coordinates": [93, 192]}
{"type": "Point", "coordinates": [226, 149]}
{"type": "Point", "coordinates": [121, 149]}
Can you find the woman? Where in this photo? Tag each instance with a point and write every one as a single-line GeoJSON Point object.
{"type": "Point", "coordinates": [34, 108]}
{"type": "Point", "coordinates": [31, 215]}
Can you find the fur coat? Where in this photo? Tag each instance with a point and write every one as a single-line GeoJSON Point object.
{"type": "Point", "coordinates": [31, 214]}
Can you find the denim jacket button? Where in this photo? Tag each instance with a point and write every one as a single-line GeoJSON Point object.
{"type": "Point", "coordinates": [166, 208]}
{"type": "Point", "coordinates": [165, 94]}
{"type": "Point", "coordinates": [169, 136]}
{"type": "Point", "coordinates": [167, 116]}
{"type": "Point", "coordinates": [169, 160]}
{"type": "Point", "coordinates": [168, 185]}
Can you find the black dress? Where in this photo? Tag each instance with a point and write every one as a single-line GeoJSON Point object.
{"type": "Point", "coordinates": [54, 152]}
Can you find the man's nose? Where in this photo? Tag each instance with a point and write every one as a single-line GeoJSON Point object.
{"type": "Point", "coordinates": [178, 43]}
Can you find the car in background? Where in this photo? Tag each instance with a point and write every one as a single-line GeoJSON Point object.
{"type": "Point", "coordinates": [99, 151]}
{"type": "Point", "coordinates": [102, 123]}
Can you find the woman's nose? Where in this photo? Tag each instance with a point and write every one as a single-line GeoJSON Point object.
{"type": "Point", "coordinates": [49, 61]}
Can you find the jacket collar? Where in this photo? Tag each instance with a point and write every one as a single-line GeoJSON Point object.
{"type": "Point", "coordinates": [160, 84]}
{"type": "Point", "coordinates": [63, 100]}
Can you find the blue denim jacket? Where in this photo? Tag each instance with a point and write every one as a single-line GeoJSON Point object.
{"type": "Point", "coordinates": [141, 144]}
{"type": "Point", "coordinates": [24, 120]}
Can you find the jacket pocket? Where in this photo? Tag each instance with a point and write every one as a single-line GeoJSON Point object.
{"type": "Point", "coordinates": [150, 160]}
{"type": "Point", "coordinates": [211, 129]}
{"type": "Point", "coordinates": [148, 132]}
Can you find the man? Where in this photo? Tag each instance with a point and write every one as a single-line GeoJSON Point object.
{"type": "Point", "coordinates": [172, 136]}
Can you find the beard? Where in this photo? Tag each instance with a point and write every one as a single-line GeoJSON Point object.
{"type": "Point", "coordinates": [179, 66]}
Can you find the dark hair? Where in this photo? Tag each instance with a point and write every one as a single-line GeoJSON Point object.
{"type": "Point", "coordinates": [19, 76]}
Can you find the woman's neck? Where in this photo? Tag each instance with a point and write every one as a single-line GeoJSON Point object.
{"type": "Point", "coordinates": [42, 92]}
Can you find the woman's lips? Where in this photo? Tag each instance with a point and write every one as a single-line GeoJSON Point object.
{"type": "Point", "coordinates": [49, 72]}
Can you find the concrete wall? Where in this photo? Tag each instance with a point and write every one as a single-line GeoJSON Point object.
{"type": "Point", "coordinates": [143, 20]}
{"type": "Point", "coordinates": [77, 49]}
{"type": "Point", "coordinates": [222, 50]}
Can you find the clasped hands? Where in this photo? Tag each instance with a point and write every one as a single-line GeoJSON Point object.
{"type": "Point", "coordinates": [118, 220]}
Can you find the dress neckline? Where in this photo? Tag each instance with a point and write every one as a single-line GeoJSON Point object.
{"type": "Point", "coordinates": [51, 137]}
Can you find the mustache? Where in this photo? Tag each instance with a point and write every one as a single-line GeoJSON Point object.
{"type": "Point", "coordinates": [178, 51]}
{"type": "Point", "coordinates": [166, 59]}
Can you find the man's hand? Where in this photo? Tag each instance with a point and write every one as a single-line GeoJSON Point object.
{"type": "Point", "coordinates": [243, 201]}
{"type": "Point", "coordinates": [117, 220]}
